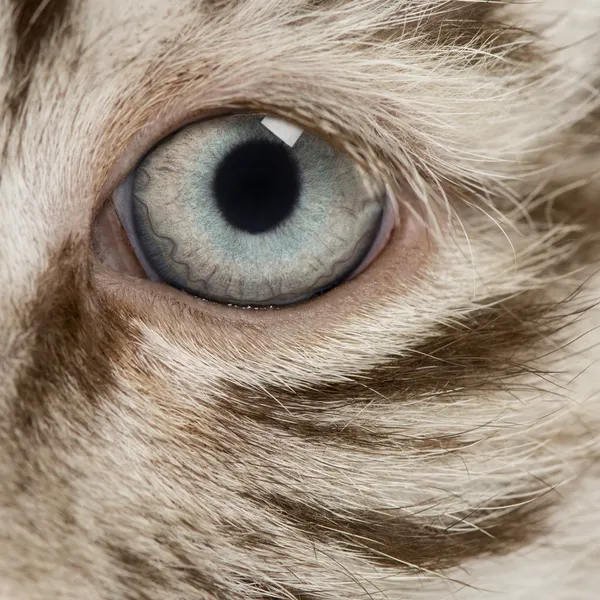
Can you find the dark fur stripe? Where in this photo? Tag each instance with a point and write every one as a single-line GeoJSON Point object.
{"type": "Point", "coordinates": [396, 541]}
{"type": "Point", "coordinates": [35, 21]}
{"type": "Point", "coordinates": [488, 352]}
{"type": "Point", "coordinates": [453, 24]}
{"type": "Point", "coordinates": [65, 360]}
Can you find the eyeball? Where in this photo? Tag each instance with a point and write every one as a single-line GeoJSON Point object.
{"type": "Point", "coordinates": [250, 210]}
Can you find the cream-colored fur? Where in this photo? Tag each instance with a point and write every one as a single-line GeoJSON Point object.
{"type": "Point", "coordinates": [431, 431]}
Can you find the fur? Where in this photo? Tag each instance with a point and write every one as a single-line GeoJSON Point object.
{"type": "Point", "coordinates": [429, 430]}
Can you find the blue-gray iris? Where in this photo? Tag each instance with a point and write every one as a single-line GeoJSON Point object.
{"type": "Point", "coordinates": [226, 211]}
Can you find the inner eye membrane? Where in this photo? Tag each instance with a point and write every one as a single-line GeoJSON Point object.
{"type": "Point", "coordinates": [227, 211]}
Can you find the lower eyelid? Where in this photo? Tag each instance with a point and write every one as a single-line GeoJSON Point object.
{"type": "Point", "coordinates": [387, 280]}
{"type": "Point", "coordinates": [403, 249]}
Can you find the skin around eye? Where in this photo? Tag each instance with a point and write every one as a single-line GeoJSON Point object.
{"type": "Point", "coordinates": [228, 212]}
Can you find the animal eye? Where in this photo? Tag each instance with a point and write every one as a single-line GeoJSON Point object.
{"type": "Point", "coordinates": [250, 210]}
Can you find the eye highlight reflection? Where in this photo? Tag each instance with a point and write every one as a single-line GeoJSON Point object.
{"type": "Point", "coordinates": [228, 211]}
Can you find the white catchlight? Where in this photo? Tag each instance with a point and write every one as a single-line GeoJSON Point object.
{"type": "Point", "coordinates": [285, 131]}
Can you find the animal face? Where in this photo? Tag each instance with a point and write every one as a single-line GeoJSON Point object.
{"type": "Point", "coordinates": [427, 427]}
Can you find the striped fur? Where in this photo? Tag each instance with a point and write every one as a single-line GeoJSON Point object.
{"type": "Point", "coordinates": [430, 430]}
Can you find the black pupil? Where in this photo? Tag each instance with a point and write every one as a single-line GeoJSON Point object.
{"type": "Point", "coordinates": [257, 185]}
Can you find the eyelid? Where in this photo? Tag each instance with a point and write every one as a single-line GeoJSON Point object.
{"type": "Point", "coordinates": [408, 252]}
{"type": "Point", "coordinates": [406, 242]}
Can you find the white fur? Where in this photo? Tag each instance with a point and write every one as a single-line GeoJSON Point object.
{"type": "Point", "coordinates": [427, 118]}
